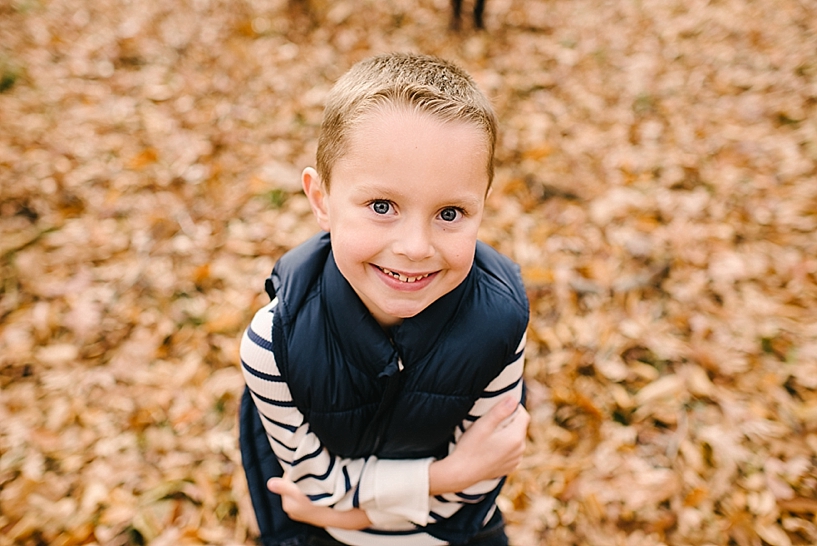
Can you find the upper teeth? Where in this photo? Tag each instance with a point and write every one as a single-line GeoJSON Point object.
{"type": "Point", "coordinates": [403, 278]}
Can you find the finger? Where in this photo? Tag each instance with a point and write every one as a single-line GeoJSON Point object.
{"type": "Point", "coordinates": [274, 485]}
{"type": "Point", "coordinates": [282, 487]}
{"type": "Point", "coordinates": [501, 411]}
{"type": "Point", "coordinates": [521, 415]}
{"type": "Point", "coordinates": [518, 421]}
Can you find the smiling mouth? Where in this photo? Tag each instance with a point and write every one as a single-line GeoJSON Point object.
{"type": "Point", "coordinates": [402, 278]}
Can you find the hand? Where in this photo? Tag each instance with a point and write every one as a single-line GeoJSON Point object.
{"type": "Point", "coordinates": [295, 503]}
{"type": "Point", "coordinates": [299, 508]}
{"type": "Point", "coordinates": [491, 448]}
{"type": "Point", "coordinates": [494, 445]}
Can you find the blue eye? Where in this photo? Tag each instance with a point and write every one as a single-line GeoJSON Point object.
{"type": "Point", "coordinates": [381, 207]}
{"type": "Point", "coordinates": [450, 214]}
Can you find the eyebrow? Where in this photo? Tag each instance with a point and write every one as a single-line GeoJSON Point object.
{"type": "Point", "coordinates": [384, 189]}
{"type": "Point", "coordinates": [389, 192]}
{"type": "Point", "coordinates": [466, 203]}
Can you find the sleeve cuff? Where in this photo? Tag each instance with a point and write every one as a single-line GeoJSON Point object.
{"type": "Point", "coordinates": [400, 491]}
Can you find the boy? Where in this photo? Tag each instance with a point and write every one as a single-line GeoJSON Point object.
{"type": "Point", "coordinates": [384, 379]}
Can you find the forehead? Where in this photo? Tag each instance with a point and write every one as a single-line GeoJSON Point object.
{"type": "Point", "coordinates": [399, 132]}
{"type": "Point", "coordinates": [414, 151]}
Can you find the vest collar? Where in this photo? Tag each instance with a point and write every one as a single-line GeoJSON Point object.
{"type": "Point", "coordinates": [365, 344]}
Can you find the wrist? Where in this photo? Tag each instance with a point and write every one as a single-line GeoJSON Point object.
{"type": "Point", "coordinates": [354, 519]}
{"type": "Point", "coordinates": [447, 475]}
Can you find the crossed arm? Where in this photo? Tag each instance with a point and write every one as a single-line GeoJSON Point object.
{"type": "Point", "coordinates": [491, 448]}
{"type": "Point", "coordinates": [329, 491]}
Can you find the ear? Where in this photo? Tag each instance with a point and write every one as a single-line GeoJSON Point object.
{"type": "Point", "coordinates": [316, 194]}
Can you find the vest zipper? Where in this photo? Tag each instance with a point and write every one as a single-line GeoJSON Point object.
{"type": "Point", "coordinates": [392, 390]}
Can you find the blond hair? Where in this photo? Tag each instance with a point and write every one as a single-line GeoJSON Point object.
{"type": "Point", "coordinates": [421, 82]}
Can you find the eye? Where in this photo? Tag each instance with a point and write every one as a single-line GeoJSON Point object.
{"type": "Point", "coordinates": [450, 214]}
{"type": "Point", "coordinates": [380, 206]}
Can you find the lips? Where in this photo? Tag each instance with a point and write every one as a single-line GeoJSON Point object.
{"type": "Point", "coordinates": [401, 277]}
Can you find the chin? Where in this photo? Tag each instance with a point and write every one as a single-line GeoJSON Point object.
{"type": "Point", "coordinates": [403, 312]}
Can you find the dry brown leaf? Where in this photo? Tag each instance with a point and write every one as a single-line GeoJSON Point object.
{"type": "Point", "coordinates": [655, 181]}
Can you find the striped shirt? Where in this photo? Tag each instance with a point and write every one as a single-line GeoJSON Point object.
{"type": "Point", "coordinates": [394, 493]}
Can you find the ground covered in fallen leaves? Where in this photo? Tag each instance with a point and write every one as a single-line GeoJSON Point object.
{"type": "Point", "coordinates": [656, 181]}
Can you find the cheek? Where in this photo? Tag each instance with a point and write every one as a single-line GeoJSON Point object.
{"type": "Point", "coordinates": [351, 246]}
{"type": "Point", "coordinates": [461, 253]}
{"type": "Point", "coordinates": [464, 263]}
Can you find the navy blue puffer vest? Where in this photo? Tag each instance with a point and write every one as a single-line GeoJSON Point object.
{"type": "Point", "coordinates": [342, 368]}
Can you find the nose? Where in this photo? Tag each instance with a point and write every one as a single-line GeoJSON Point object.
{"type": "Point", "coordinates": [414, 241]}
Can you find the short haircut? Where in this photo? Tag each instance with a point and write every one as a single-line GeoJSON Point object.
{"type": "Point", "coordinates": [419, 82]}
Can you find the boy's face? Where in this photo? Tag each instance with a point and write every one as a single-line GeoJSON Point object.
{"type": "Point", "coordinates": [404, 208]}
